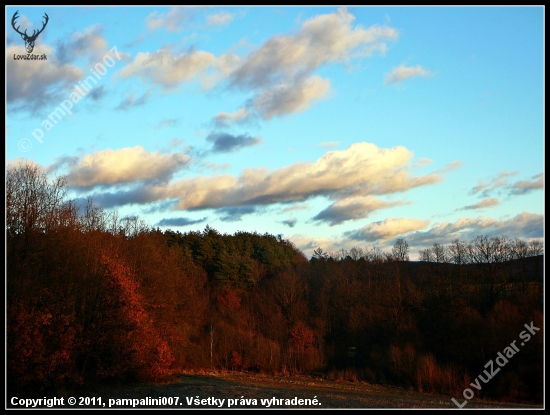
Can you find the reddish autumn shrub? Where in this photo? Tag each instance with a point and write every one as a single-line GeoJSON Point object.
{"type": "Point", "coordinates": [301, 337]}
{"type": "Point", "coordinates": [230, 300]}
{"type": "Point", "coordinates": [42, 346]}
{"type": "Point", "coordinates": [140, 350]}
{"type": "Point", "coordinates": [302, 350]}
{"type": "Point", "coordinates": [236, 360]}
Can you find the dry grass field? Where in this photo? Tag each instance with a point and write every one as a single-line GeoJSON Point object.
{"type": "Point", "coordinates": [257, 391]}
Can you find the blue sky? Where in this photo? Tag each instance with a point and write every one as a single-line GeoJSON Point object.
{"type": "Point", "coordinates": [335, 127]}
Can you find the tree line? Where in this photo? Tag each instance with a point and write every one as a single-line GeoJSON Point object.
{"type": "Point", "coordinates": [94, 297]}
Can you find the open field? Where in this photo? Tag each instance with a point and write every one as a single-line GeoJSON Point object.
{"type": "Point", "coordinates": [329, 394]}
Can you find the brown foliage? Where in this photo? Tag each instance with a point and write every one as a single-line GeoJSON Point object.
{"type": "Point", "coordinates": [92, 296]}
{"type": "Point", "coordinates": [141, 351]}
{"type": "Point", "coordinates": [230, 300]}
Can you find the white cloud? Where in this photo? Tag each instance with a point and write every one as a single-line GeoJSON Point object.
{"type": "Point", "coordinates": [88, 43]}
{"type": "Point", "coordinates": [279, 72]}
{"type": "Point", "coordinates": [523, 225]}
{"type": "Point", "coordinates": [168, 70]}
{"type": "Point", "coordinates": [45, 82]}
{"type": "Point", "coordinates": [294, 207]}
{"type": "Point", "coordinates": [352, 208]}
{"type": "Point", "coordinates": [131, 101]}
{"type": "Point", "coordinates": [289, 98]}
{"type": "Point", "coordinates": [402, 72]}
{"type": "Point", "coordinates": [219, 19]}
{"type": "Point", "coordinates": [526, 186]}
{"type": "Point", "coordinates": [224, 119]}
{"type": "Point", "coordinates": [486, 189]}
{"type": "Point", "coordinates": [174, 20]}
{"type": "Point", "coordinates": [112, 167]}
{"type": "Point", "coordinates": [383, 234]}
{"type": "Point", "coordinates": [387, 229]}
{"type": "Point", "coordinates": [330, 144]}
{"type": "Point", "coordinates": [360, 170]}
{"type": "Point", "coordinates": [449, 167]}
{"type": "Point", "coordinates": [487, 202]}
{"type": "Point", "coordinates": [321, 40]}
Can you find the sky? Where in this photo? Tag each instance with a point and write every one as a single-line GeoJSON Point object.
{"type": "Point", "coordinates": [334, 127]}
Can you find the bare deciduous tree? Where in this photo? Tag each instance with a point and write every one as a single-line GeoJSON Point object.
{"type": "Point", "coordinates": [400, 250]}
{"type": "Point", "coordinates": [426, 255]}
{"type": "Point", "coordinates": [33, 202]}
{"type": "Point", "coordinates": [457, 252]}
{"type": "Point", "coordinates": [536, 247]}
{"type": "Point", "coordinates": [439, 253]}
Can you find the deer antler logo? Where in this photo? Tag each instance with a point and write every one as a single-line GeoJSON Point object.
{"type": "Point", "coordinates": [29, 40]}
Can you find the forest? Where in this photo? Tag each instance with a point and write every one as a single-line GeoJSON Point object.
{"type": "Point", "coordinates": [92, 297]}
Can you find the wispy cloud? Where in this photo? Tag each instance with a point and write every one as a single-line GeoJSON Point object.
{"type": "Point", "coordinates": [352, 208]}
{"type": "Point", "coordinates": [523, 187]}
{"type": "Point", "coordinates": [449, 167]}
{"type": "Point", "coordinates": [501, 184]}
{"type": "Point", "coordinates": [130, 101]}
{"type": "Point", "coordinates": [140, 39]}
{"type": "Point", "coordinates": [169, 70]}
{"type": "Point", "coordinates": [225, 119]}
{"type": "Point", "coordinates": [402, 72]}
{"type": "Point", "coordinates": [280, 72]}
{"type": "Point", "coordinates": [219, 19]}
{"type": "Point", "coordinates": [330, 144]}
{"type": "Point", "coordinates": [167, 122]}
{"type": "Point", "coordinates": [387, 229]}
{"type": "Point", "coordinates": [174, 20]}
{"type": "Point", "coordinates": [486, 189]}
{"type": "Point", "coordinates": [423, 162]}
{"type": "Point", "coordinates": [291, 97]}
{"type": "Point", "coordinates": [485, 203]}
{"type": "Point", "coordinates": [179, 221]}
{"type": "Point", "coordinates": [294, 207]}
